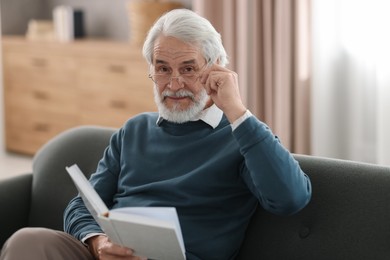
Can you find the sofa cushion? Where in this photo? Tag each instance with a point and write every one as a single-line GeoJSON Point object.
{"type": "Point", "coordinates": [52, 187]}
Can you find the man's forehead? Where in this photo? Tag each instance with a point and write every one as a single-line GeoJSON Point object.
{"type": "Point", "coordinates": [172, 48]}
{"type": "Point", "coordinates": [182, 61]}
{"type": "Point", "coordinates": [174, 53]}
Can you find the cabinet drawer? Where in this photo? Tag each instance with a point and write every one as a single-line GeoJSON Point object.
{"type": "Point", "coordinates": [27, 130]}
{"type": "Point", "coordinates": [114, 90]}
{"type": "Point", "coordinates": [42, 99]}
{"type": "Point", "coordinates": [111, 107]}
{"type": "Point", "coordinates": [117, 98]}
{"type": "Point", "coordinates": [38, 70]}
{"type": "Point", "coordinates": [117, 72]}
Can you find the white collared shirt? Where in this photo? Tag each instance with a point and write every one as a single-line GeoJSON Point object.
{"type": "Point", "coordinates": [213, 116]}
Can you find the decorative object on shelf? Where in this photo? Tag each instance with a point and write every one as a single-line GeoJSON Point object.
{"type": "Point", "coordinates": [68, 23]}
{"type": "Point", "coordinates": [143, 13]}
{"type": "Point", "coordinates": [40, 30]}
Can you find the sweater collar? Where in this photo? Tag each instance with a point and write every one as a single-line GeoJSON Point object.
{"type": "Point", "coordinates": [211, 116]}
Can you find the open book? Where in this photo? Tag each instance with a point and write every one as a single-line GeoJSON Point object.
{"type": "Point", "coordinates": [153, 232]}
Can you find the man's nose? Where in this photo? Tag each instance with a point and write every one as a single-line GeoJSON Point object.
{"type": "Point", "coordinates": [175, 83]}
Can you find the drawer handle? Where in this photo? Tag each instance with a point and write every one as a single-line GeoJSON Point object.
{"type": "Point", "coordinates": [117, 69]}
{"type": "Point", "coordinates": [40, 95]}
{"type": "Point", "coordinates": [41, 127]}
{"type": "Point", "coordinates": [39, 62]}
{"type": "Point", "coordinates": [118, 104]}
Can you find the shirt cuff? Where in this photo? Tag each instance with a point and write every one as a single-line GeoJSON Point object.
{"type": "Point", "coordinates": [89, 236]}
{"type": "Point", "coordinates": [241, 119]}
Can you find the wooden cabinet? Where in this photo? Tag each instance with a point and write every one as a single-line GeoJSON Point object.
{"type": "Point", "coordinates": [50, 87]}
{"type": "Point", "coordinates": [109, 98]}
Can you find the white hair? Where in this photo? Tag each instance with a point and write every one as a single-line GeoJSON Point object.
{"type": "Point", "coordinates": [191, 28]}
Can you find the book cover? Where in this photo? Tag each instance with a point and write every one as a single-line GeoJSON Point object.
{"type": "Point", "coordinates": [153, 232]}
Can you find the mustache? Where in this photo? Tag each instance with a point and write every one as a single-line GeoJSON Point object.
{"type": "Point", "coordinates": [179, 93]}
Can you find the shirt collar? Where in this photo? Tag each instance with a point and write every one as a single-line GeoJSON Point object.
{"type": "Point", "coordinates": [211, 116]}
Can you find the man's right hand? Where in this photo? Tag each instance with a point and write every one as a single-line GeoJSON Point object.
{"type": "Point", "coordinates": [102, 249]}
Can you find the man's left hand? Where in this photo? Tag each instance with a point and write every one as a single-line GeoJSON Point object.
{"type": "Point", "coordinates": [221, 85]}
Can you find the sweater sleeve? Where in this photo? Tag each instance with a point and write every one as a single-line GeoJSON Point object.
{"type": "Point", "coordinates": [77, 219]}
{"type": "Point", "coordinates": [270, 171]}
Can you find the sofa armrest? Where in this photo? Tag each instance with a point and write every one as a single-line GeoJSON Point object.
{"type": "Point", "coordinates": [347, 217]}
{"type": "Point", "coordinates": [15, 197]}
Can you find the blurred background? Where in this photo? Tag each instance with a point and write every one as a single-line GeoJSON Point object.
{"type": "Point", "coordinates": [316, 71]}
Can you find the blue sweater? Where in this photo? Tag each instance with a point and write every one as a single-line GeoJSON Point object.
{"type": "Point", "coordinates": [214, 177]}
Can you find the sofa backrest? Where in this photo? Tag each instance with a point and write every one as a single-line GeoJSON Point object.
{"type": "Point", "coordinates": [52, 187]}
{"type": "Point", "coordinates": [348, 216]}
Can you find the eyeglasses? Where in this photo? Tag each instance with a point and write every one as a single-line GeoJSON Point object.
{"type": "Point", "coordinates": [188, 75]}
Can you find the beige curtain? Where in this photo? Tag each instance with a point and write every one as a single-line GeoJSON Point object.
{"type": "Point", "coordinates": [268, 43]}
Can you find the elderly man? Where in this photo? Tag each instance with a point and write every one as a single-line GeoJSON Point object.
{"type": "Point", "coordinates": [203, 153]}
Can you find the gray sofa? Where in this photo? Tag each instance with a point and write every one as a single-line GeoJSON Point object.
{"type": "Point", "coordinates": [347, 218]}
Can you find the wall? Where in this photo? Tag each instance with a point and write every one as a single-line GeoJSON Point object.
{"type": "Point", "coordinates": [16, 14]}
{"type": "Point", "coordinates": [102, 18]}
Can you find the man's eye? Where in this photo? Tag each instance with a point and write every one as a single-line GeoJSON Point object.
{"type": "Point", "coordinates": [188, 70]}
{"type": "Point", "coordinates": [164, 70]}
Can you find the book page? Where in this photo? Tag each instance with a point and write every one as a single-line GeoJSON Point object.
{"type": "Point", "coordinates": [90, 197]}
{"type": "Point", "coordinates": [166, 216]}
{"type": "Point", "coordinates": [155, 239]}
{"type": "Point", "coordinates": [106, 225]}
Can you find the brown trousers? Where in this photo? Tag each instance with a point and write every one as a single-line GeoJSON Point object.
{"type": "Point", "coordinates": [43, 244]}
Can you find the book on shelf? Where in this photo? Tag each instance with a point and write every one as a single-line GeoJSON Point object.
{"type": "Point", "coordinates": [153, 232]}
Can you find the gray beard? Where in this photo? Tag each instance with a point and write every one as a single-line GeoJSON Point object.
{"type": "Point", "coordinates": [175, 114]}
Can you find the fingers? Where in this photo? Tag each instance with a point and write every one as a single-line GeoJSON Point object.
{"type": "Point", "coordinates": [214, 81]}
{"type": "Point", "coordinates": [210, 70]}
{"type": "Point", "coordinates": [215, 77]}
{"type": "Point", "coordinates": [108, 250]}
